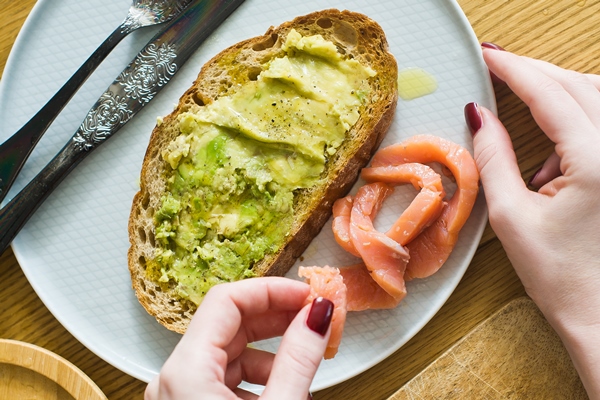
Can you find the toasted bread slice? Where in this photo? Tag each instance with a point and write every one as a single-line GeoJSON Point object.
{"type": "Point", "coordinates": [356, 36]}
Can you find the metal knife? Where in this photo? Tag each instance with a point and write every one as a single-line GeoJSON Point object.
{"type": "Point", "coordinates": [136, 86]}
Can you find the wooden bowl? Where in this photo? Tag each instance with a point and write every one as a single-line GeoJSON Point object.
{"type": "Point", "coordinates": [31, 372]}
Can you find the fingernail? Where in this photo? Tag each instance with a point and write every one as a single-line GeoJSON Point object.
{"type": "Point", "coordinates": [492, 46]}
{"type": "Point", "coordinates": [473, 118]}
{"type": "Point", "coordinates": [531, 181]}
{"type": "Point", "coordinates": [319, 316]}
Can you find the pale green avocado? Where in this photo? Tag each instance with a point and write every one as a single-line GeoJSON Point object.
{"type": "Point", "coordinates": [238, 161]}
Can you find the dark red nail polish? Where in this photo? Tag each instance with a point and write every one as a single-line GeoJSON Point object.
{"type": "Point", "coordinates": [473, 118]}
{"type": "Point", "coordinates": [319, 316]}
{"type": "Point", "coordinates": [530, 183]}
{"type": "Point", "coordinates": [492, 46]}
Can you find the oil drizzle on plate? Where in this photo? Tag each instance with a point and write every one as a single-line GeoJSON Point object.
{"type": "Point", "coordinates": [415, 82]}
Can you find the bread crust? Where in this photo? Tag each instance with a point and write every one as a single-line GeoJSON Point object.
{"type": "Point", "coordinates": [355, 35]}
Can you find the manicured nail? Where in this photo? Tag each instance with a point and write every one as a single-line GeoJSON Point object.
{"type": "Point", "coordinates": [492, 46]}
{"type": "Point", "coordinates": [532, 180]}
{"type": "Point", "coordinates": [319, 316]}
{"type": "Point", "coordinates": [473, 118]}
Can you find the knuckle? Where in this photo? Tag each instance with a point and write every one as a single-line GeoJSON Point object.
{"type": "Point", "coordinates": [548, 86]}
{"type": "Point", "coordinates": [544, 91]}
{"type": "Point", "coordinates": [483, 155]}
{"type": "Point", "coordinates": [217, 292]}
{"type": "Point", "coordinates": [167, 382]}
{"type": "Point", "coordinates": [576, 78]}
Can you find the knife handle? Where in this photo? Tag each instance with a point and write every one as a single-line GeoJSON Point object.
{"type": "Point", "coordinates": [18, 211]}
{"type": "Point", "coordinates": [137, 85]}
{"type": "Point", "coordinates": [16, 149]}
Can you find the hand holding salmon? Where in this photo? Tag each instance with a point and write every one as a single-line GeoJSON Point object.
{"type": "Point", "coordinates": [213, 357]}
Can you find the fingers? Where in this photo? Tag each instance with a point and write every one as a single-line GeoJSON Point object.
{"type": "Point", "coordinates": [253, 366]}
{"type": "Point", "coordinates": [267, 325]}
{"type": "Point", "coordinates": [595, 79]}
{"type": "Point", "coordinates": [549, 171]}
{"type": "Point", "coordinates": [583, 88]}
{"type": "Point", "coordinates": [510, 203]}
{"type": "Point", "coordinates": [207, 346]}
{"type": "Point", "coordinates": [258, 327]}
{"type": "Point", "coordinates": [300, 353]}
{"type": "Point", "coordinates": [555, 110]}
{"type": "Point", "coordinates": [244, 395]}
{"type": "Point", "coordinates": [498, 168]}
{"type": "Point", "coordinates": [152, 390]}
{"type": "Point", "coordinates": [219, 317]}
{"type": "Point", "coordinates": [495, 157]}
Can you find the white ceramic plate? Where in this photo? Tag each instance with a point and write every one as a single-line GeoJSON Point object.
{"type": "Point", "coordinates": [74, 248]}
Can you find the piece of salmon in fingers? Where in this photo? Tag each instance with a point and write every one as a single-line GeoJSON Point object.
{"type": "Point", "coordinates": [327, 282]}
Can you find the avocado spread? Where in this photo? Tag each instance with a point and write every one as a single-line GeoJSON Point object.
{"type": "Point", "coordinates": [238, 161]}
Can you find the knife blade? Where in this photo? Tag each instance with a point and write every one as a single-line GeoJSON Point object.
{"type": "Point", "coordinates": [136, 86]}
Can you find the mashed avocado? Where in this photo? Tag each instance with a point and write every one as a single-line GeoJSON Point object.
{"type": "Point", "coordinates": [239, 160]}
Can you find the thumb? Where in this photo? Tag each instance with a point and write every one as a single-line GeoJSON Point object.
{"type": "Point", "coordinates": [300, 353]}
{"type": "Point", "coordinates": [495, 157]}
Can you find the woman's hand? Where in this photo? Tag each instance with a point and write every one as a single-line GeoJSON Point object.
{"type": "Point", "coordinates": [552, 236]}
{"type": "Point", "coordinates": [213, 356]}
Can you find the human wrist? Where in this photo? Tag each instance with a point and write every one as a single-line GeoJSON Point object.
{"type": "Point", "coordinates": [582, 344]}
{"type": "Point", "coordinates": [580, 333]}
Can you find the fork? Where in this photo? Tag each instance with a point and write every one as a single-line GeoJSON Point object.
{"type": "Point", "coordinates": [16, 149]}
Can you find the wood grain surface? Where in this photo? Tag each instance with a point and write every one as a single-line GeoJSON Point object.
{"type": "Point", "coordinates": [564, 32]}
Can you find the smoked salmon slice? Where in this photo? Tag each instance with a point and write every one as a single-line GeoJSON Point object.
{"type": "Point", "coordinates": [342, 213]}
{"type": "Point", "coordinates": [327, 282]}
{"type": "Point", "coordinates": [385, 258]}
{"type": "Point", "coordinates": [426, 206]}
{"type": "Point", "coordinates": [429, 228]}
{"type": "Point", "coordinates": [429, 250]}
{"type": "Point", "coordinates": [342, 208]}
{"type": "Point", "coordinates": [363, 292]}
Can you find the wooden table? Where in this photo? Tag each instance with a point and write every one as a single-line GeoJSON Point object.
{"type": "Point", "coordinates": [564, 32]}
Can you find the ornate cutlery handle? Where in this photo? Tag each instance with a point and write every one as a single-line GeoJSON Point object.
{"type": "Point", "coordinates": [137, 85]}
{"type": "Point", "coordinates": [15, 151]}
{"type": "Point", "coordinates": [18, 211]}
